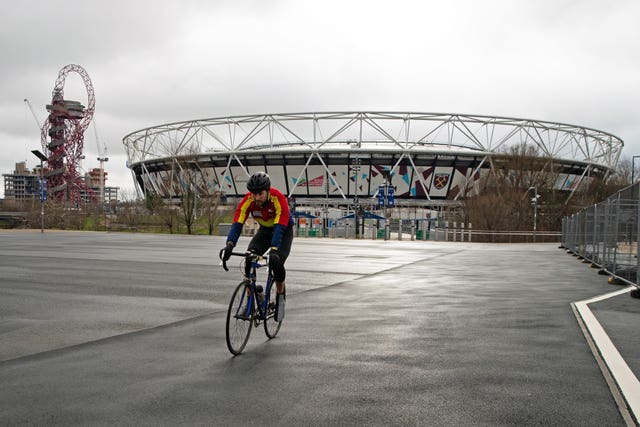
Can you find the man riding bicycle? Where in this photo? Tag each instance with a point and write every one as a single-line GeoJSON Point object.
{"type": "Point", "coordinates": [269, 207]}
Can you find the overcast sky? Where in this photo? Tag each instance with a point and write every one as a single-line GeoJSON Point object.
{"type": "Point", "coordinates": [154, 62]}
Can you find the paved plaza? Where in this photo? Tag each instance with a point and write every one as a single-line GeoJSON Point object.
{"type": "Point", "coordinates": [117, 328]}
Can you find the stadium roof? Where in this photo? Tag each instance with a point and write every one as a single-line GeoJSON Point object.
{"type": "Point", "coordinates": [392, 131]}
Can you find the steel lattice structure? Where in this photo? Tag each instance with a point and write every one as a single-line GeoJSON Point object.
{"type": "Point", "coordinates": [62, 137]}
{"type": "Point", "coordinates": [430, 156]}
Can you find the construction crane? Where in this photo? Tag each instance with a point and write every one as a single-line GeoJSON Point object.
{"type": "Point", "coordinates": [38, 122]}
{"type": "Point", "coordinates": [102, 157]}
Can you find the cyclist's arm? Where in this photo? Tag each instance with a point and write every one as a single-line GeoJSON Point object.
{"type": "Point", "coordinates": [282, 218]}
{"type": "Point", "coordinates": [238, 219]}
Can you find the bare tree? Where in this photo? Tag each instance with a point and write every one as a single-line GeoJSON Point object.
{"type": "Point", "coordinates": [211, 199]}
{"type": "Point", "coordinates": [169, 216]}
{"type": "Point", "coordinates": [624, 173]}
{"type": "Point", "coordinates": [185, 177]}
{"type": "Point", "coordinates": [504, 199]}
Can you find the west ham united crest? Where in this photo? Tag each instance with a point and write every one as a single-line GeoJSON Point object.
{"type": "Point", "coordinates": [440, 180]}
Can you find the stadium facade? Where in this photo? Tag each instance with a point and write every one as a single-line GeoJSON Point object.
{"type": "Point", "coordinates": [429, 158]}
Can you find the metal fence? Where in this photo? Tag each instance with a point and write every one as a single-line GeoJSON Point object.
{"type": "Point", "coordinates": [443, 231]}
{"type": "Point", "coordinates": [606, 234]}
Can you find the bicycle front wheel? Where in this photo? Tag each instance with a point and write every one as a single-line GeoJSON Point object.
{"type": "Point", "coordinates": [239, 319]}
{"type": "Point", "coordinates": [271, 327]}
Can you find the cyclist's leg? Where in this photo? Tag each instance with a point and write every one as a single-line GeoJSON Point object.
{"type": "Point", "coordinates": [279, 273]}
{"type": "Point", "coordinates": [259, 244]}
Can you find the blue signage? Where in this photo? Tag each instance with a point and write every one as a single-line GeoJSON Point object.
{"type": "Point", "coordinates": [390, 193]}
{"type": "Point", "coordinates": [381, 195]}
{"type": "Point", "coordinates": [43, 189]}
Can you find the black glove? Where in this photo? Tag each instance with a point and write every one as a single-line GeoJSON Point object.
{"type": "Point", "coordinates": [225, 253]}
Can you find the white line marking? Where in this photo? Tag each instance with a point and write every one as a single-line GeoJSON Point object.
{"type": "Point", "coordinates": [625, 378]}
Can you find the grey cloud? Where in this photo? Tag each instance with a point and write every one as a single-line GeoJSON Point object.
{"type": "Point", "coordinates": [159, 62]}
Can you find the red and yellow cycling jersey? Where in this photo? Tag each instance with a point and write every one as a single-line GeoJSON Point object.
{"type": "Point", "coordinates": [274, 213]}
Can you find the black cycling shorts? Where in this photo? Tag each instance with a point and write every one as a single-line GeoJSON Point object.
{"type": "Point", "coordinates": [261, 242]}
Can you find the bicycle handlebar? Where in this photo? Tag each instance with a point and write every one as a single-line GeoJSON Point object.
{"type": "Point", "coordinates": [242, 254]}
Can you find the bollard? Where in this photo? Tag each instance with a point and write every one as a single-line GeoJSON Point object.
{"type": "Point", "coordinates": [413, 231]}
{"type": "Point", "coordinates": [400, 229]}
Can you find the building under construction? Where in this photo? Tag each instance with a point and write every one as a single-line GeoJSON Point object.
{"type": "Point", "coordinates": [24, 184]}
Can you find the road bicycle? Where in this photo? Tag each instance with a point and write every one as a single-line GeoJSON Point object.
{"type": "Point", "coordinates": [251, 304]}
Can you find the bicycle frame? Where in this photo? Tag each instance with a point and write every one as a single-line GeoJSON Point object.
{"type": "Point", "coordinates": [256, 263]}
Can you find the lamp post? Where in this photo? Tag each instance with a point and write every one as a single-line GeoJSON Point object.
{"type": "Point", "coordinates": [385, 202]}
{"type": "Point", "coordinates": [534, 203]}
{"type": "Point", "coordinates": [42, 186]}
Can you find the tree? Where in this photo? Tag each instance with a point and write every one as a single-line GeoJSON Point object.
{"type": "Point", "coordinates": [153, 202]}
{"type": "Point", "coordinates": [624, 173]}
{"type": "Point", "coordinates": [188, 203]}
{"type": "Point", "coordinates": [211, 199]}
{"type": "Point", "coordinates": [185, 175]}
{"type": "Point", "coordinates": [504, 199]}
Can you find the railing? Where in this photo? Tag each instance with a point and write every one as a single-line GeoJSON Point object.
{"type": "Point", "coordinates": [446, 232]}
{"type": "Point", "coordinates": [606, 234]}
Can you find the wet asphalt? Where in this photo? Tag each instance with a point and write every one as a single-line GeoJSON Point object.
{"type": "Point", "coordinates": [110, 328]}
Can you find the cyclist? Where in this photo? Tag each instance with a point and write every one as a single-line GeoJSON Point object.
{"type": "Point", "coordinates": [269, 207]}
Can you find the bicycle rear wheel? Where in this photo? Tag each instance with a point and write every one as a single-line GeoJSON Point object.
{"type": "Point", "coordinates": [239, 319]}
{"type": "Point", "coordinates": [271, 327]}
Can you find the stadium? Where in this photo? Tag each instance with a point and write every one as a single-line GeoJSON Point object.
{"type": "Point", "coordinates": [429, 159]}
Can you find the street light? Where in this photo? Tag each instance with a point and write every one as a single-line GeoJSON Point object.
{"type": "Point", "coordinates": [42, 186]}
{"type": "Point", "coordinates": [534, 203]}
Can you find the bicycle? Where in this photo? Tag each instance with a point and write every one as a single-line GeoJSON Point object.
{"type": "Point", "coordinates": [247, 309]}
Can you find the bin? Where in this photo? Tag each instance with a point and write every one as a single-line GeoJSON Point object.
{"type": "Point", "coordinates": [422, 234]}
{"type": "Point", "coordinates": [381, 233]}
{"type": "Point", "coordinates": [312, 232]}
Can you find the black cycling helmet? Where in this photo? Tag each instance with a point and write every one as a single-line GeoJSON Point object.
{"type": "Point", "coordinates": [259, 181]}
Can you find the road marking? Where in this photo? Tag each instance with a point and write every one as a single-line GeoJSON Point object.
{"type": "Point", "coordinates": [626, 381]}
